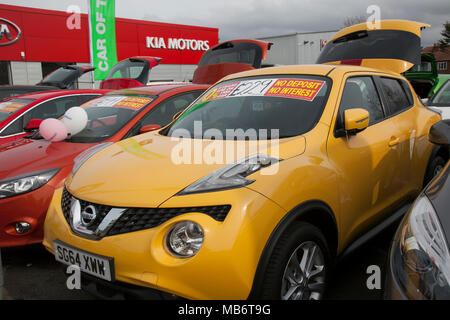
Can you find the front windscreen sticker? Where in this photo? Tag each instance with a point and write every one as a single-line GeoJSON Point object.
{"type": "Point", "coordinates": [303, 89]}
{"type": "Point", "coordinates": [134, 103]}
{"type": "Point", "coordinates": [10, 107]}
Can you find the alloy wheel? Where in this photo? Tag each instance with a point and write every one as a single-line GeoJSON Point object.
{"type": "Point", "coordinates": [304, 274]}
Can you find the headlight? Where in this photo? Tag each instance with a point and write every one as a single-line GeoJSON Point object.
{"type": "Point", "coordinates": [231, 176]}
{"type": "Point", "coordinates": [86, 154]}
{"type": "Point", "coordinates": [185, 239]}
{"type": "Point", "coordinates": [421, 259]}
{"type": "Point", "coordinates": [25, 183]}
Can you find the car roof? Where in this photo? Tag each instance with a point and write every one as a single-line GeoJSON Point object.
{"type": "Point", "coordinates": [308, 69]}
{"type": "Point", "coordinates": [25, 87]}
{"type": "Point", "coordinates": [57, 93]}
{"type": "Point", "coordinates": [156, 89]}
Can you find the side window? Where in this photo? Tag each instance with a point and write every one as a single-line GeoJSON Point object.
{"type": "Point", "coordinates": [163, 113]}
{"type": "Point", "coordinates": [54, 108]}
{"type": "Point", "coordinates": [15, 127]}
{"type": "Point", "coordinates": [407, 89]}
{"type": "Point", "coordinates": [360, 92]}
{"type": "Point", "coordinates": [397, 100]}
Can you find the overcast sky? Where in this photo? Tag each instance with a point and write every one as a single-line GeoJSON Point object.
{"type": "Point", "coordinates": [259, 18]}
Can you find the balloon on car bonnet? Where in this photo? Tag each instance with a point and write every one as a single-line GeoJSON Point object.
{"type": "Point", "coordinates": [75, 120]}
{"type": "Point", "coordinates": [53, 130]}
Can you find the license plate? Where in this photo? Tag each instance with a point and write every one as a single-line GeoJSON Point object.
{"type": "Point", "coordinates": [93, 264]}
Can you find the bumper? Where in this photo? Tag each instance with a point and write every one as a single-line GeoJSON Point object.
{"type": "Point", "coordinates": [30, 207]}
{"type": "Point", "coordinates": [225, 266]}
{"type": "Point", "coordinates": [120, 291]}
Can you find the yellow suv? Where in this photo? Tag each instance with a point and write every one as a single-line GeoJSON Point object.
{"type": "Point", "coordinates": [256, 188]}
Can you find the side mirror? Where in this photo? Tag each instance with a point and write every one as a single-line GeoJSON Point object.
{"type": "Point", "coordinates": [356, 120]}
{"type": "Point", "coordinates": [33, 124]}
{"type": "Point", "coordinates": [440, 133]}
{"type": "Point", "coordinates": [176, 115]}
{"type": "Point", "coordinates": [424, 101]}
{"type": "Point", "coordinates": [149, 127]}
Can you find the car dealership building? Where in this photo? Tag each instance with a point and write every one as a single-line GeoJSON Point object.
{"type": "Point", "coordinates": [34, 42]}
{"type": "Point", "coordinates": [297, 48]}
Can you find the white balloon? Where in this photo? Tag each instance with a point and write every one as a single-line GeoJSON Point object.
{"type": "Point", "coordinates": [75, 120]}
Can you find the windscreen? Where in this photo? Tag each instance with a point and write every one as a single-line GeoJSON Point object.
{"type": "Point", "coordinates": [127, 69]}
{"type": "Point", "coordinates": [255, 108]}
{"type": "Point", "coordinates": [107, 115]}
{"type": "Point", "coordinates": [9, 107]}
{"type": "Point", "coordinates": [228, 52]}
{"type": "Point", "coordinates": [442, 97]}
{"type": "Point", "coordinates": [62, 77]}
{"type": "Point", "coordinates": [424, 66]}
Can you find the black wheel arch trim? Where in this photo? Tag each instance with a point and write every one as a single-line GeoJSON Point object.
{"type": "Point", "coordinates": [436, 150]}
{"type": "Point", "coordinates": [292, 216]}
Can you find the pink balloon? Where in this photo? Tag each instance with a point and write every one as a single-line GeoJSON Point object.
{"type": "Point", "coordinates": [53, 130]}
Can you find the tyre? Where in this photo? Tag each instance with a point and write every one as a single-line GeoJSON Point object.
{"type": "Point", "coordinates": [299, 265]}
{"type": "Point", "coordinates": [436, 165]}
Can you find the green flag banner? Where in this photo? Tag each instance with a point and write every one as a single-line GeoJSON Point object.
{"type": "Point", "coordinates": [102, 27]}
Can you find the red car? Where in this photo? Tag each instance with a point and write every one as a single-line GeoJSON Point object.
{"type": "Point", "coordinates": [32, 168]}
{"type": "Point", "coordinates": [17, 112]}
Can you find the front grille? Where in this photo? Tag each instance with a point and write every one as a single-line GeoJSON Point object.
{"type": "Point", "coordinates": [102, 210]}
{"type": "Point", "coordinates": [65, 203]}
{"type": "Point", "coordinates": [135, 219]}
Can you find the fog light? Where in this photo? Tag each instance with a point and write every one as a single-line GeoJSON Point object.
{"type": "Point", "coordinates": [22, 227]}
{"type": "Point", "coordinates": [185, 239]}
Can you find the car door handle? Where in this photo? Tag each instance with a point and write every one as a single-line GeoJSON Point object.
{"type": "Point", "coordinates": [394, 141]}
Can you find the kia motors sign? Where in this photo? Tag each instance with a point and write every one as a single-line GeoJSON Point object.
{"type": "Point", "coordinates": [9, 32]}
{"type": "Point", "coordinates": [177, 44]}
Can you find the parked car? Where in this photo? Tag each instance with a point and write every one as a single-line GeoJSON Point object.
{"type": "Point", "coordinates": [257, 187]}
{"type": "Point", "coordinates": [18, 114]}
{"type": "Point", "coordinates": [441, 100]}
{"type": "Point", "coordinates": [424, 76]}
{"type": "Point", "coordinates": [419, 264]}
{"type": "Point", "coordinates": [130, 73]}
{"type": "Point", "coordinates": [32, 168]}
{"type": "Point", "coordinates": [230, 57]}
{"type": "Point", "coordinates": [62, 78]}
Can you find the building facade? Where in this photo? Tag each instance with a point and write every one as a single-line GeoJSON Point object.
{"type": "Point", "coordinates": [442, 58]}
{"type": "Point", "coordinates": [34, 42]}
{"type": "Point", "coordinates": [297, 48]}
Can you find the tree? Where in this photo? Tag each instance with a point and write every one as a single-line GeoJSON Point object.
{"type": "Point", "coordinates": [445, 33]}
{"type": "Point", "coordinates": [349, 21]}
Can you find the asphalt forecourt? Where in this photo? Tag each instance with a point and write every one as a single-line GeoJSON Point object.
{"type": "Point", "coordinates": [33, 264]}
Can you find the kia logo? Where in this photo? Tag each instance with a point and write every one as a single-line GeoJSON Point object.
{"type": "Point", "coordinates": [88, 215]}
{"type": "Point", "coordinates": [9, 32]}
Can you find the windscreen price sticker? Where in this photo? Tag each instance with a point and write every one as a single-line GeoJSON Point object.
{"type": "Point", "coordinates": [134, 103]}
{"type": "Point", "coordinates": [303, 89]}
{"type": "Point", "coordinates": [10, 107]}
{"type": "Point", "coordinates": [298, 89]}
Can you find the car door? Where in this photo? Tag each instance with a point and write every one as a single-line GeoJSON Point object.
{"type": "Point", "coordinates": [398, 98]}
{"type": "Point", "coordinates": [367, 164]}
